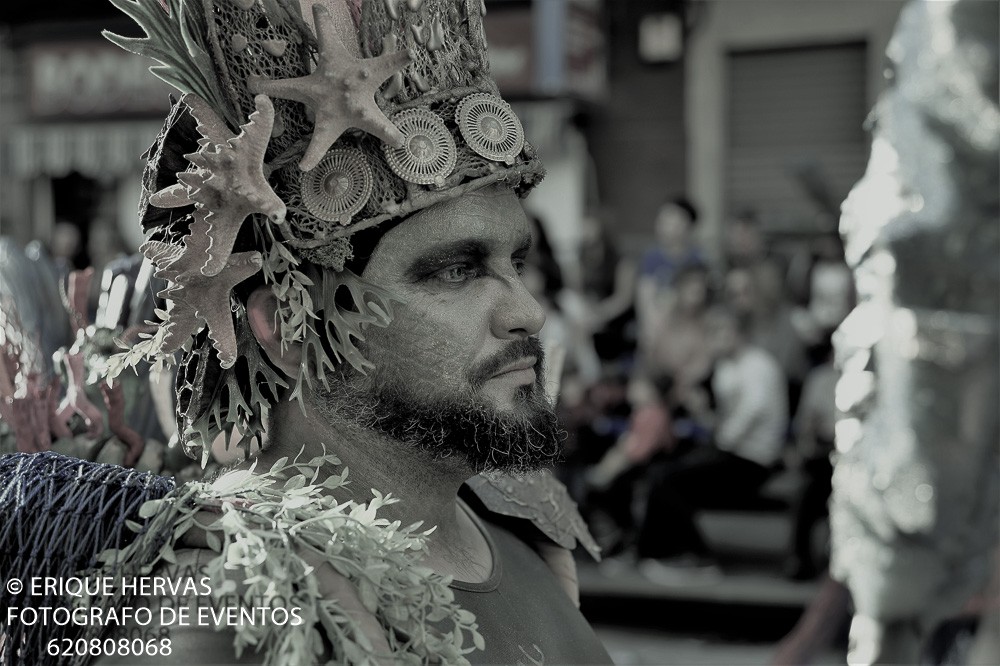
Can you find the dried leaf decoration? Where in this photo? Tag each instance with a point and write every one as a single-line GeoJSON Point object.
{"type": "Point", "coordinates": [175, 40]}
{"type": "Point", "coordinates": [341, 91]}
{"type": "Point", "coordinates": [227, 184]}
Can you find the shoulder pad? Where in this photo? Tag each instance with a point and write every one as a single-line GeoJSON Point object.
{"type": "Point", "coordinates": [540, 498]}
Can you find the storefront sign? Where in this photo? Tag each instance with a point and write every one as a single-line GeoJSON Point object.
{"type": "Point", "coordinates": [74, 80]}
{"type": "Point", "coordinates": [546, 48]}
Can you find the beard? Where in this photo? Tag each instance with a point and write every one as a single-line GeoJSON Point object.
{"type": "Point", "coordinates": [523, 439]}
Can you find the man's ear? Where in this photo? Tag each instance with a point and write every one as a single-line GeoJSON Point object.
{"type": "Point", "coordinates": [262, 308]}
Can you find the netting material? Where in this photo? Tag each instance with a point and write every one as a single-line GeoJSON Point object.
{"type": "Point", "coordinates": [59, 514]}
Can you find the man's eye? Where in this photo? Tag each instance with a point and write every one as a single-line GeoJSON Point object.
{"type": "Point", "coordinates": [519, 265]}
{"type": "Point", "coordinates": [457, 273]}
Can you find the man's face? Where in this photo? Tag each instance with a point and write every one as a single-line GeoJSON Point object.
{"type": "Point", "coordinates": [724, 336]}
{"type": "Point", "coordinates": [460, 360]}
{"type": "Point", "coordinates": [673, 226]}
{"type": "Point", "coordinates": [740, 290]}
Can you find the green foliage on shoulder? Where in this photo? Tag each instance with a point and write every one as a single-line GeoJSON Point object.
{"type": "Point", "coordinates": [272, 524]}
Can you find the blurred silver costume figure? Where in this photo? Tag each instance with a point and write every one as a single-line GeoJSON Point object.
{"type": "Point", "coordinates": [915, 505]}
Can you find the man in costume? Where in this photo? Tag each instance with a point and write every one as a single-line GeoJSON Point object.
{"type": "Point", "coordinates": [334, 203]}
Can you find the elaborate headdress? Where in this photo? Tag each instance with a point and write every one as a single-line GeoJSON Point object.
{"type": "Point", "coordinates": [302, 123]}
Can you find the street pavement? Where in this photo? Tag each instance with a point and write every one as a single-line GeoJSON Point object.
{"type": "Point", "coordinates": [730, 618]}
{"type": "Point", "coordinates": [645, 647]}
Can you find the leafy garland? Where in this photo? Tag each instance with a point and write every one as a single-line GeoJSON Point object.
{"type": "Point", "coordinates": [270, 522]}
{"type": "Point", "coordinates": [297, 294]}
{"type": "Point", "coordinates": [147, 349]}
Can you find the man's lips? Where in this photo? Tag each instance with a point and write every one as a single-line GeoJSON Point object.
{"type": "Point", "coordinates": [526, 363]}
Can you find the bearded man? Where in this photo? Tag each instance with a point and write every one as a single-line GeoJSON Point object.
{"type": "Point", "coordinates": [335, 204]}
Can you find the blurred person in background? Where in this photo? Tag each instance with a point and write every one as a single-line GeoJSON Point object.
{"type": "Point", "coordinates": [748, 426]}
{"type": "Point", "coordinates": [30, 285]}
{"type": "Point", "coordinates": [744, 244]}
{"type": "Point", "coordinates": [813, 429]}
{"type": "Point", "coordinates": [647, 285]}
{"type": "Point", "coordinates": [756, 294]}
{"type": "Point", "coordinates": [675, 361]}
{"type": "Point", "coordinates": [829, 296]}
{"type": "Point", "coordinates": [33, 324]}
{"type": "Point", "coordinates": [66, 248]}
{"type": "Point", "coordinates": [608, 286]}
{"type": "Point", "coordinates": [565, 307]}
{"type": "Point", "coordinates": [677, 349]}
{"type": "Point", "coordinates": [675, 250]}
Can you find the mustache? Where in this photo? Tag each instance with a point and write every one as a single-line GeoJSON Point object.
{"type": "Point", "coordinates": [513, 352]}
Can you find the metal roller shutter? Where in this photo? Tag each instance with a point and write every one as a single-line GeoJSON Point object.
{"type": "Point", "coordinates": [794, 111]}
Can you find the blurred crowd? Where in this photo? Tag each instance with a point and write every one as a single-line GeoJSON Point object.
{"type": "Point", "coordinates": [694, 384]}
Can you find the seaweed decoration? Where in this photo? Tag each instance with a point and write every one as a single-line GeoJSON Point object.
{"type": "Point", "coordinates": [228, 408]}
{"type": "Point", "coordinates": [276, 534]}
{"type": "Point", "coordinates": [342, 324]}
{"type": "Point", "coordinates": [289, 285]}
{"type": "Point", "coordinates": [175, 38]}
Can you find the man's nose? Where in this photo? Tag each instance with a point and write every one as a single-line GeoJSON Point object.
{"type": "Point", "coordinates": [517, 314]}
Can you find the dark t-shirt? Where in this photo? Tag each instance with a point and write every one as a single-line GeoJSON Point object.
{"type": "Point", "coordinates": [523, 613]}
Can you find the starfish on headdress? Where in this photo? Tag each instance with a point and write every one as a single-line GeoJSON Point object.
{"type": "Point", "coordinates": [198, 298]}
{"type": "Point", "coordinates": [227, 185]}
{"type": "Point", "coordinates": [341, 91]}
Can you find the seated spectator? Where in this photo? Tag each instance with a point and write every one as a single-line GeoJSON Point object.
{"type": "Point", "coordinates": [814, 432]}
{"type": "Point", "coordinates": [673, 360]}
{"type": "Point", "coordinates": [744, 240]}
{"type": "Point", "coordinates": [676, 348]}
{"type": "Point", "coordinates": [830, 297]}
{"type": "Point", "coordinates": [676, 249]}
{"type": "Point", "coordinates": [756, 294]}
{"type": "Point", "coordinates": [607, 285]}
{"type": "Point", "coordinates": [748, 425]}
{"type": "Point", "coordinates": [648, 285]}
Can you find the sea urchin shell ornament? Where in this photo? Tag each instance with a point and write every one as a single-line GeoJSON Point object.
{"type": "Point", "coordinates": [428, 153]}
{"type": "Point", "coordinates": [490, 127]}
{"type": "Point", "coordinates": [338, 187]}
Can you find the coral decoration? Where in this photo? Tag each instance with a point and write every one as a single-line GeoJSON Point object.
{"type": "Point", "coordinates": [58, 428]}
{"type": "Point", "coordinates": [197, 297]}
{"type": "Point", "coordinates": [75, 298]}
{"type": "Point", "coordinates": [341, 91]}
{"type": "Point", "coordinates": [114, 400]}
{"type": "Point", "coordinates": [24, 402]}
{"type": "Point", "coordinates": [175, 40]}
{"type": "Point", "coordinates": [227, 184]}
{"type": "Point", "coordinates": [76, 400]}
